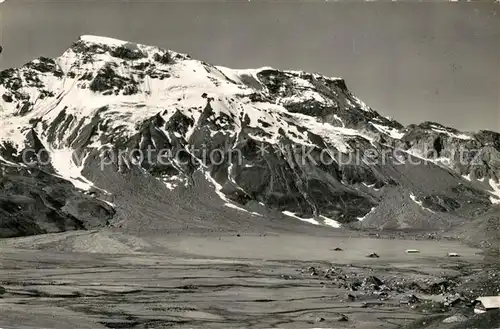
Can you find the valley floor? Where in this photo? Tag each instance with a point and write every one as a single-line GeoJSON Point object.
{"type": "Point", "coordinates": [104, 279]}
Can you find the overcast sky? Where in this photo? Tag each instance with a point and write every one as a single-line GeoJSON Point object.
{"type": "Point", "coordinates": [412, 61]}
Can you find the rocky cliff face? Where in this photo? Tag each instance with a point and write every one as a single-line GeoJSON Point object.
{"type": "Point", "coordinates": [33, 202]}
{"type": "Point", "coordinates": [262, 142]}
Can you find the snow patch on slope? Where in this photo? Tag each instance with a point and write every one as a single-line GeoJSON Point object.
{"type": "Point", "coordinates": [441, 130]}
{"type": "Point", "coordinates": [364, 217]}
{"type": "Point", "coordinates": [392, 132]}
{"type": "Point", "coordinates": [467, 177]}
{"type": "Point", "coordinates": [330, 222]}
{"type": "Point", "coordinates": [228, 203]}
{"type": "Point", "coordinates": [495, 198]}
{"type": "Point", "coordinates": [496, 192]}
{"type": "Point", "coordinates": [64, 162]}
{"type": "Point", "coordinates": [10, 163]}
{"type": "Point", "coordinates": [414, 199]}
{"type": "Point", "coordinates": [372, 186]}
{"type": "Point", "coordinates": [308, 220]}
{"type": "Point", "coordinates": [11, 128]}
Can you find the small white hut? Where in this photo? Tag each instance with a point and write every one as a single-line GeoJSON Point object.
{"type": "Point", "coordinates": [486, 303]}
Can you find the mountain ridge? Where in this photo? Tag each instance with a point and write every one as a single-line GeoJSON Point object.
{"type": "Point", "coordinates": [105, 93]}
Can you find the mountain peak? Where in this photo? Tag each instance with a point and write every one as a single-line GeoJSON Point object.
{"type": "Point", "coordinates": [95, 39]}
{"type": "Point", "coordinates": [91, 46]}
{"type": "Point", "coordinates": [108, 93]}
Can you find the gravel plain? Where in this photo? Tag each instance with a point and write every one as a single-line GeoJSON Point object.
{"type": "Point", "coordinates": [105, 279]}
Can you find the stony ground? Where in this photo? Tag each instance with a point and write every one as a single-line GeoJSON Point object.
{"type": "Point", "coordinates": [110, 280]}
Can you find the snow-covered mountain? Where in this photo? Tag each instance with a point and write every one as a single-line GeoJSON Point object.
{"type": "Point", "coordinates": [226, 147]}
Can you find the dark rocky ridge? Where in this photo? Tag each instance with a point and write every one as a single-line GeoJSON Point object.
{"type": "Point", "coordinates": [33, 201]}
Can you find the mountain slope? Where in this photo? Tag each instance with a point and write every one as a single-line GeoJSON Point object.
{"type": "Point", "coordinates": [176, 143]}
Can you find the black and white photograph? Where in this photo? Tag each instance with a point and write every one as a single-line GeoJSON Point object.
{"type": "Point", "coordinates": [249, 164]}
